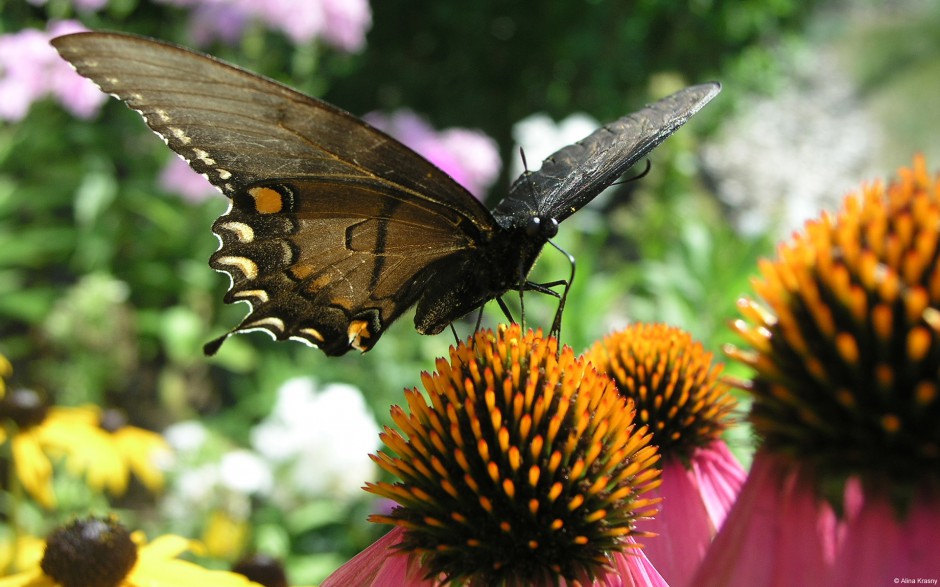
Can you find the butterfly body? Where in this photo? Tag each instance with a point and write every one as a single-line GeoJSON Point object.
{"type": "Point", "coordinates": [335, 228]}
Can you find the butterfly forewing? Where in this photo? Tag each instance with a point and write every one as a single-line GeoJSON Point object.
{"type": "Point", "coordinates": [225, 120]}
{"type": "Point", "coordinates": [576, 174]}
{"type": "Point", "coordinates": [333, 226]}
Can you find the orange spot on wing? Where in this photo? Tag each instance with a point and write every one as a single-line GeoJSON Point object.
{"type": "Point", "coordinates": [267, 200]}
{"type": "Point", "coordinates": [301, 272]}
{"type": "Point", "coordinates": [359, 335]}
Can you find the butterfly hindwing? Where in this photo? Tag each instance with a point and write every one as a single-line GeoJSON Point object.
{"type": "Point", "coordinates": [372, 260]}
{"type": "Point", "coordinates": [334, 225]}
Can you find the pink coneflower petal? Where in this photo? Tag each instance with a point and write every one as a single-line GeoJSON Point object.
{"type": "Point", "coordinates": [696, 501]}
{"type": "Point", "coordinates": [683, 529]}
{"type": "Point", "coordinates": [880, 549]}
{"type": "Point", "coordinates": [720, 477]}
{"type": "Point", "coordinates": [633, 569]}
{"type": "Point", "coordinates": [776, 523]}
{"type": "Point", "coordinates": [379, 564]}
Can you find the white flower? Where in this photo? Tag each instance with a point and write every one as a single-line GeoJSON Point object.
{"type": "Point", "coordinates": [191, 491]}
{"type": "Point", "coordinates": [245, 472]}
{"type": "Point", "coordinates": [321, 439]}
{"type": "Point", "coordinates": [186, 437]}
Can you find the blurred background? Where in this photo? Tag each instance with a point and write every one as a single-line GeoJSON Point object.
{"type": "Point", "coordinates": [106, 296]}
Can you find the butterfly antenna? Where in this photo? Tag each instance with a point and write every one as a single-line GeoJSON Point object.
{"type": "Point", "coordinates": [556, 323]}
{"type": "Point", "coordinates": [454, 330]}
{"type": "Point", "coordinates": [522, 277]}
{"type": "Point", "coordinates": [641, 175]}
{"type": "Point", "coordinates": [644, 173]}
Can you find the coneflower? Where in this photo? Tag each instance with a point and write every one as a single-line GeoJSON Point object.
{"type": "Point", "coordinates": [680, 397]}
{"type": "Point", "coordinates": [844, 487]}
{"type": "Point", "coordinates": [523, 467]}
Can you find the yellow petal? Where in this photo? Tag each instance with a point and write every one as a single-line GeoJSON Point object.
{"type": "Point", "coordinates": [33, 578]}
{"type": "Point", "coordinates": [88, 451]}
{"type": "Point", "coordinates": [142, 450]}
{"type": "Point", "coordinates": [178, 573]}
{"type": "Point", "coordinates": [165, 548]}
{"type": "Point", "coordinates": [33, 468]}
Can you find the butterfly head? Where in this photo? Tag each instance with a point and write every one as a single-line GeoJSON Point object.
{"type": "Point", "coordinates": [541, 227]}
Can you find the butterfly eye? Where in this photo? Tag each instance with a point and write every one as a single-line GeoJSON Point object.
{"type": "Point", "coordinates": [543, 227]}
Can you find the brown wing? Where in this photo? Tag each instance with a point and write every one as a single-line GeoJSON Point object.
{"type": "Point", "coordinates": [334, 226]}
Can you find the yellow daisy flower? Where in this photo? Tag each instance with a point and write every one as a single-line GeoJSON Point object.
{"type": "Point", "coordinates": [36, 433]}
{"type": "Point", "coordinates": [119, 450]}
{"type": "Point", "coordinates": [100, 552]}
{"type": "Point", "coordinates": [95, 444]}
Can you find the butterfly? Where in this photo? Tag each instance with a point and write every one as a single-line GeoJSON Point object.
{"type": "Point", "coordinates": [335, 229]}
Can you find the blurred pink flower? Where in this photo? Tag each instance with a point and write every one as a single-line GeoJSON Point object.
{"type": "Point", "coordinates": [217, 22]}
{"type": "Point", "coordinates": [347, 22]}
{"type": "Point", "coordinates": [340, 23]}
{"type": "Point", "coordinates": [30, 70]}
{"type": "Point", "coordinates": [468, 156]}
{"type": "Point", "coordinates": [879, 546]}
{"type": "Point", "coordinates": [696, 501]}
{"type": "Point", "coordinates": [179, 178]}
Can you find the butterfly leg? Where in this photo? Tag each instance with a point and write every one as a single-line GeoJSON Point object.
{"type": "Point", "coordinates": [505, 309]}
{"type": "Point", "coordinates": [479, 320]}
{"type": "Point", "coordinates": [556, 323]}
{"type": "Point", "coordinates": [545, 288]}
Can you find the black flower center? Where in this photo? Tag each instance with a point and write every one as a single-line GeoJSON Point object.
{"type": "Point", "coordinates": [95, 552]}
{"type": "Point", "coordinates": [263, 569]}
{"type": "Point", "coordinates": [112, 420]}
{"type": "Point", "coordinates": [25, 407]}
